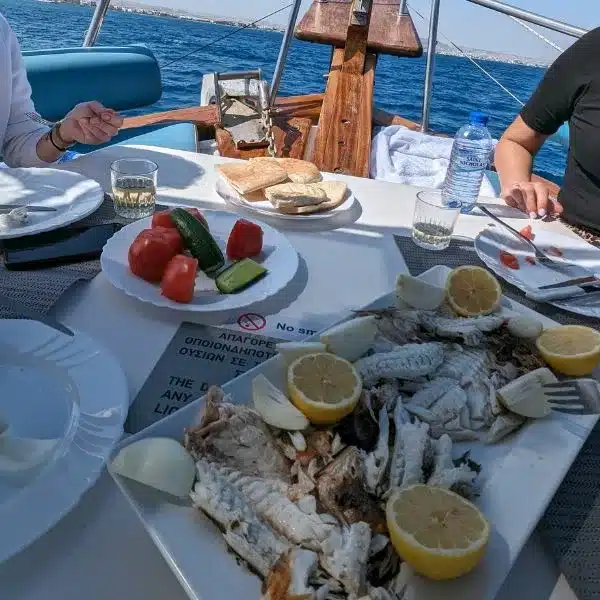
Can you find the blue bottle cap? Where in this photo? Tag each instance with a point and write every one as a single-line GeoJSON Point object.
{"type": "Point", "coordinates": [478, 118]}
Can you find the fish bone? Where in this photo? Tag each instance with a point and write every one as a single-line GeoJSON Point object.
{"type": "Point", "coordinates": [465, 365]}
{"type": "Point", "coordinates": [245, 532]}
{"type": "Point", "coordinates": [503, 425]}
{"type": "Point", "coordinates": [470, 331]}
{"type": "Point", "coordinates": [377, 461]}
{"type": "Point", "coordinates": [414, 439]}
{"type": "Point", "coordinates": [345, 555]}
{"type": "Point", "coordinates": [408, 362]}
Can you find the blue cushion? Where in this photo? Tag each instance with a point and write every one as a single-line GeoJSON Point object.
{"type": "Point", "coordinates": [562, 135]}
{"type": "Point", "coordinates": [495, 181]}
{"type": "Point", "coordinates": [121, 77]}
{"type": "Point", "coordinates": [181, 136]}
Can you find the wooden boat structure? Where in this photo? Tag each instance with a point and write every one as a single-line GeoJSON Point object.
{"type": "Point", "coordinates": [332, 129]}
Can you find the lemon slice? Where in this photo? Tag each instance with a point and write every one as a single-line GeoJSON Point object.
{"type": "Point", "coordinates": [290, 351]}
{"type": "Point", "coordinates": [570, 349]}
{"type": "Point", "coordinates": [324, 387]}
{"type": "Point", "coordinates": [351, 339]}
{"type": "Point", "coordinates": [437, 532]}
{"type": "Point", "coordinates": [472, 291]}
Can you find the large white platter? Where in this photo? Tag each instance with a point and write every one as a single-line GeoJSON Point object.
{"type": "Point", "coordinates": [519, 478]}
{"type": "Point", "coordinates": [69, 392]}
{"type": "Point", "coordinates": [74, 197]}
{"type": "Point", "coordinates": [493, 239]}
{"type": "Point", "coordinates": [278, 256]}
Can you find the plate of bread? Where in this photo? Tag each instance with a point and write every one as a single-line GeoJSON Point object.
{"type": "Point", "coordinates": [287, 188]}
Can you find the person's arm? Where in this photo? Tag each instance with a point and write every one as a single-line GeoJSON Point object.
{"type": "Point", "coordinates": [514, 161]}
{"type": "Point", "coordinates": [20, 144]}
{"type": "Point", "coordinates": [551, 105]}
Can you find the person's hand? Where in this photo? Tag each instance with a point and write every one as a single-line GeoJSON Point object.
{"type": "Point", "coordinates": [90, 123]}
{"type": "Point", "coordinates": [533, 198]}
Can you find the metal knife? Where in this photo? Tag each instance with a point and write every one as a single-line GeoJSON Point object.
{"type": "Point", "coordinates": [30, 207]}
{"type": "Point", "coordinates": [569, 282]}
{"type": "Point", "coordinates": [19, 309]}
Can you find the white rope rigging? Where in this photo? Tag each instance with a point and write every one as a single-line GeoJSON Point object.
{"type": "Point", "coordinates": [449, 41]}
{"type": "Point", "coordinates": [536, 33]}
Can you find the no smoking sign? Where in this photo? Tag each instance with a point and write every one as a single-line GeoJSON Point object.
{"type": "Point", "coordinates": [251, 322]}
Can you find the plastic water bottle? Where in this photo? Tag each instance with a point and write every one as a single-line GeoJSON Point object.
{"type": "Point", "coordinates": [469, 160]}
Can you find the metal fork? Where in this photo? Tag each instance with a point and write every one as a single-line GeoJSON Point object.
{"type": "Point", "coordinates": [575, 397]}
{"type": "Point", "coordinates": [542, 258]}
{"type": "Point", "coordinates": [39, 119]}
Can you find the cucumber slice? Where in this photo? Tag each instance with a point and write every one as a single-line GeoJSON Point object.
{"type": "Point", "coordinates": [198, 241]}
{"type": "Point", "coordinates": [239, 276]}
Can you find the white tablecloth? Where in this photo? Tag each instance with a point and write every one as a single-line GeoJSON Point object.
{"type": "Point", "coordinates": [100, 551]}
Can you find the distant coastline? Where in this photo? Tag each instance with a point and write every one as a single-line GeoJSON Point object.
{"type": "Point", "coordinates": [128, 6]}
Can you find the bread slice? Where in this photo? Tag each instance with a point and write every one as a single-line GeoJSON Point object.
{"type": "Point", "coordinates": [248, 177]}
{"type": "Point", "coordinates": [295, 195]}
{"type": "Point", "coordinates": [298, 171]}
{"type": "Point", "coordinates": [336, 192]}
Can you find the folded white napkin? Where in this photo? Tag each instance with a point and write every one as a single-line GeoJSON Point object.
{"type": "Point", "coordinates": [404, 156]}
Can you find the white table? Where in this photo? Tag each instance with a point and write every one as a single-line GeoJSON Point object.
{"type": "Point", "coordinates": [100, 551]}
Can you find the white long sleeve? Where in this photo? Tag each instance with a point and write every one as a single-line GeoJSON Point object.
{"type": "Point", "coordinates": [19, 135]}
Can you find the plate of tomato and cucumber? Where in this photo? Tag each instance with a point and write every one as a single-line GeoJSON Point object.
{"type": "Point", "coordinates": [205, 261]}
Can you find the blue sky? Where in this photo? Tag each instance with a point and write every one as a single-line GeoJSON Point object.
{"type": "Point", "coordinates": [465, 23]}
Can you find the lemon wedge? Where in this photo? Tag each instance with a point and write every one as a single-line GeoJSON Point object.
{"type": "Point", "coordinates": [290, 351]}
{"type": "Point", "coordinates": [437, 532]}
{"type": "Point", "coordinates": [351, 339]}
{"type": "Point", "coordinates": [324, 387]}
{"type": "Point", "coordinates": [418, 293]}
{"type": "Point", "coordinates": [472, 291]}
{"type": "Point", "coordinates": [570, 349]}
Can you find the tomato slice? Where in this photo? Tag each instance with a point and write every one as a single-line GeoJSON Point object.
{"type": "Point", "coordinates": [509, 260]}
{"type": "Point", "coordinates": [245, 240]}
{"type": "Point", "coordinates": [163, 218]}
{"type": "Point", "coordinates": [527, 232]}
{"type": "Point", "coordinates": [530, 260]}
{"type": "Point", "coordinates": [179, 278]}
{"type": "Point", "coordinates": [172, 236]}
{"type": "Point", "coordinates": [555, 251]}
{"type": "Point", "coordinates": [148, 256]}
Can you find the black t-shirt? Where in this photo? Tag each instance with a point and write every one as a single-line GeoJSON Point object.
{"type": "Point", "coordinates": [570, 91]}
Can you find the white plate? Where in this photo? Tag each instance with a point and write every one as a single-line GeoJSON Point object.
{"type": "Point", "coordinates": [62, 388]}
{"type": "Point", "coordinates": [267, 209]}
{"type": "Point", "coordinates": [519, 478]}
{"type": "Point", "coordinates": [73, 195]}
{"type": "Point", "coordinates": [279, 257]}
{"type": "Point", "coordinates": [493, 239]}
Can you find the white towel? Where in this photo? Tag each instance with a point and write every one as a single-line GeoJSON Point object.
{"type": "Point", "coordinates": [404, 156]}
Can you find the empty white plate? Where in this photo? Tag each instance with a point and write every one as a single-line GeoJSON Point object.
{"type": "Point", "coordinates": [64, 400]}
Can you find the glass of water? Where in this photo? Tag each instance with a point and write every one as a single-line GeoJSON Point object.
{"type": "Point", "coordinates": [434, 220]}
{"type": "Point", "coordinates": [134, 187]}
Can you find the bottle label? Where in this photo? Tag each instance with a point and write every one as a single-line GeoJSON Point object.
{"type": "Point", "coordinates": [470, 161]}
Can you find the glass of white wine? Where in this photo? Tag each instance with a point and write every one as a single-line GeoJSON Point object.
{"type": "Point", "coordinates": [134, 187]}
{"type": "Point", "coordinates": [434, 220]}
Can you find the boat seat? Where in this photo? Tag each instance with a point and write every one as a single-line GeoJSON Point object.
{"type": "Point", "coordinates": [180, 136]}
{"type": "Point", "coordinates": [122, 77]}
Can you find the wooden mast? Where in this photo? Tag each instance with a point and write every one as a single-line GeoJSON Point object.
{"type": "Point", "coordinates": [344, 134]}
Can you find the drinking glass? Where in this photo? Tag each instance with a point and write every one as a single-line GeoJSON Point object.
{"type": "Point", "coordinates": [134, 187]}
{"type": "Point", "coordinates": [434, 220]}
